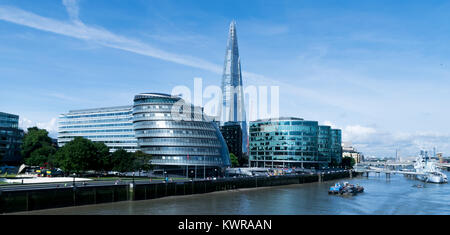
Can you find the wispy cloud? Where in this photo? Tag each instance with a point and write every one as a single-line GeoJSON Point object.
{"type": "Point", "coordinates": [98, 35]}
{"type": "Point", "coordinates": [76, 29]}
{"type": "Point", "coordinates": [73, 9]}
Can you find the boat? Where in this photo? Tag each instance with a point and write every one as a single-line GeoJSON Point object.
{"type": "Point", "coordinates": [345, 189]}
{"type": "Point", "coordinates": [335, 189]}
{"type": "Point", "coordinates": [428, 172]}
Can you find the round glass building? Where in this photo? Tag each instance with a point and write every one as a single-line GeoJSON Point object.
{"type": "Point", "coordinates": [178, 136]}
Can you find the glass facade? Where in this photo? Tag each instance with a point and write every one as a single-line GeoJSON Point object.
{"type": "Point", "coordinates": [336, 146]}
{"type": "Point", "coordinates": [232, 133]}
{"type": "Point", "coordinates": [10, 138]}
{"type": "Point", "coordinates": [324, 144]}
{"type": "Point", "coordinates": [9, 120]}
{"type": "Point", "coordinates": [289, 142]}
{"type": "Point", "coordinates": [177, 142]}
{"type": "Point", "coordinates": [232, 90]}
{"type": "Point", "coordinates": [112, 125]}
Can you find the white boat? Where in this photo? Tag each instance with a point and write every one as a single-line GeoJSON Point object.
{"type": "Point", "coordinates": [429, 172]}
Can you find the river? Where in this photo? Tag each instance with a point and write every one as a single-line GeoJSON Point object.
{"type": "Point", "coordinates": [394, 195]}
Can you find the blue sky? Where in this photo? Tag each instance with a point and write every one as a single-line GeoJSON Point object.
{"type": "Point", "coordinates": [379, 70]}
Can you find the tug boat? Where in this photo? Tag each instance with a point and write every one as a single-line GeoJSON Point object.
{"type": "Point", "coordinates": [345, 189]}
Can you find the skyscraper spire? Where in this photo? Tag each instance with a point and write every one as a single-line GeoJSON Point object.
{"type": "Point", "coordinates": [233, 109]}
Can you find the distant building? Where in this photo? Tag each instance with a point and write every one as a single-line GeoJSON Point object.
{"type": "Point", "coordinates": [112, 126]}
{"type": "Point", "coordinates": [349, 151]}
{"type": "Point", "coordinates": [232, 133]}
{"type": "Point", "coordinates": [291, 142]}
{"type": "Point", "coordinates": [10, 139]}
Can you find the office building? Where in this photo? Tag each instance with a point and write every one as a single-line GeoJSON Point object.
{"type": "Point", "coordinates": [232, 133]}
{"type": "Point", "coordinates": [180, 138]}
{"type": "Point", "coordinates": [10, 139]}
{"type": "Point", "coordinates": [112, 126]}
{"type": "Point", "coordinates": [233, 109]}
{"type": "Point", "coordinates": [350, 151]}
{"type": "Point", "coordinates": [324, 144]}
{"type": "Point", "coordinates": [284, 142]}
{"type": "Point", "coordinates": [336, 146]}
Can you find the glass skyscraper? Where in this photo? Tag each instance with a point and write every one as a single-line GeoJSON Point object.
{"type": "Point", "coordinates": [10, 138]}
{"type": "Point", "coordinates": [111, 125]}
{"type": "Point", "coordinates": [180, 139]}
{"type": "Point", "coordinates": [233, 109]}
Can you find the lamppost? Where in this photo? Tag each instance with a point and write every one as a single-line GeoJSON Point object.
{"type": "Point", "coordinates": [73, 179]}
{"type": "Point", "coordinates": [133, 177]}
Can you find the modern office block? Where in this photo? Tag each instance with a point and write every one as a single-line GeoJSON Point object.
{"type": "Point", "coordinates": [180, 138]}
{"type": "Point", "coordinates": [284, 142]}
{"type": "Point", "coordinates": [232, 133]}
{"type": "Point", "coordinates": [10, 139]}
{"type": "Point", "coordinates": [324, 144]}
{"type": "Point", "coordinates": [112, 126]}
{"type": "Point", "coordinates": [336, 146]}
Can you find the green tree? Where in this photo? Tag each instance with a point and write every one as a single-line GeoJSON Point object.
{"type": "Point", "coordinates": [122, 161]}
{"type": "Point", "coordinates": [142, 161]}
{"type": "Point", "coordinates": [77, 156]}
{"type": "Point", "coordinates": [348, 162]}
{"type": "Point", "coordinates": [37, 147]}
{"type": "Point", "coordinates": [234, 160]}
{"type": "Point", "coordinates": [103, 157]}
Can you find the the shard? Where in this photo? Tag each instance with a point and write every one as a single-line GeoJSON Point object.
{"type": "Point", "coordinates": [233, 109]}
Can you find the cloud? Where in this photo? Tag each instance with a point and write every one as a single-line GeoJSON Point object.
{"type": "Point", "coordinates": [100, 36]}
{"type": "Point", "coordinates": [76, 29]}
{"type": "Point", "coordinates": [51, 126]}
{"type": "Point", "coordinates": [73, 9]}
{"type": "Point", "coordinates": [357, 132]}
{"type": "Point", "coordinates": [370, 141]}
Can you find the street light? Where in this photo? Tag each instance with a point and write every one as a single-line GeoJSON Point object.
{"type": "Point", "coordinates": [73, 179]}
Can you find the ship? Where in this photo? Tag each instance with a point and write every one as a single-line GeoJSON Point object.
{"type": "Point", "coordinates": [428, 170]}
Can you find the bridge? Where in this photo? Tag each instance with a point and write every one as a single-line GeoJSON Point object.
{"type": "Point", "coordinates": [385, 170]}
{"type": "Point", "coordinates": [388, 163]}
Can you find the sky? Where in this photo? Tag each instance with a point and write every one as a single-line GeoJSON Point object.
{"type": "Point", "coordinates": [378, 70]}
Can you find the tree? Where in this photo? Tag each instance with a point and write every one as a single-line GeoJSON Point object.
{"type": "Point", "coordinates": [103, 157]}
{"type": "Point", "coordinates": [142, 161]}
{"type": "Point", "coordinates": [348, 162]}
{"type": "Point", "coordinates": [78, 155]}
{"type": "Point", "coordinates": [122, 161]}
{"type": "Point", "coordinates": [234, 160]}
{"type": "Point", "coordinates": [37, 147]}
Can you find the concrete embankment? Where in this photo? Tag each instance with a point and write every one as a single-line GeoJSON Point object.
{"type": "Point", "coordinates": [37, 199]}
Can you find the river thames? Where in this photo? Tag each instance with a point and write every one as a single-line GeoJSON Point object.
{"type": "Point", "coordinates": [393, 196]}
